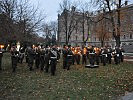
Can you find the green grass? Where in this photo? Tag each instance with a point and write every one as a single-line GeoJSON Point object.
{"type": "Point", "coordinates": [103, 83]}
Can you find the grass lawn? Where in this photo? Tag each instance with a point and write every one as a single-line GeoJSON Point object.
{"type": "Point", "coordinates": [103, 83]}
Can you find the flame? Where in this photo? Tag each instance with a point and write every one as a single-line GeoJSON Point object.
{"type": "Point", "coordinates": [2, 46]}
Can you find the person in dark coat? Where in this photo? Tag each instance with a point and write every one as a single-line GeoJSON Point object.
{"type": "Point", "coordinates": [64, 56]}
{"type": "Point", "coordinates": [104, 55]}
{"type": "Point", "coordinates": [30, 55]}
{"type": "Point", "coordinates": [97, 55]}
{"type": "Point", "coordinates": [84, 55]}
{"type": "Point", "coordinates": [69, 57]}
{"type": "Point", "coordinates": [116, 55]}
{"type": "Point", "coordinates": [73, 58]}
{"type": "Point", "coordinates": [14, 57]}
{"type": "Point", "coordinates": [1, 55]}
{"type": "Point", "coordinates": [21, 54]}
{"type": "Point", "coordinates": [47, 59]}
{"type": "Point", "coordinates": [91, 55]}
{"type": "Point", "coordinates": [53, 58]}
{"type": "Point", "coordinates": [42, 58]}
{"type": "Point", "coordinates": [109, 56]}
{"type": "Point", "coordinates": [37, 57]}
{"type": "Point", "coordinates": [121, 54]}
{"type": "Point", "coordinates": [77, 54]}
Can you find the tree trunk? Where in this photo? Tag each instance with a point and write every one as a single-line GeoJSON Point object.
{"type": "Point", "coordinates": [102, 43]}
{"type": "Point", "coordinates": [118, 42]}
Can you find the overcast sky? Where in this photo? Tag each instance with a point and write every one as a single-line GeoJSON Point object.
{"type": "Point", "coordinates": [50, 7]}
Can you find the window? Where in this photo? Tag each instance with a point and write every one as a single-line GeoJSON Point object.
{"type": "Point", "coordinates": [124, 37]}
{"type": "Point", "coordinates": [95, 39]}
{"type": "Point", "coordinates": [130, 36]}
{"type": "Point", "coordinates": [130, 44]}
{"type": "Point", "coordinates": [123, 44]}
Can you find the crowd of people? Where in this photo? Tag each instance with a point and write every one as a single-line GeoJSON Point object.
{"type": "Point", "coordinates": [46, 57]}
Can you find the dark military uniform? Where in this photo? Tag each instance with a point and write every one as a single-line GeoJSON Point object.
{"type": "Point", "coordinates": [1, 55]}
{"type": "Point", "coordinates": [73, 57]}
{"type": "Point", "coordinates": [64, 52]}
{"type": "Point", "coordinates": [30, 55]}
{"type": "Point", "coordinates": [58, 53]}
{"type": "Point", "coordinates": [37, 57]}
{"type": "Point", "coordinates": [104, 56]}
{"type": "Point", "coordinates": [21, 54]}
{"type": "Point", "coordinates": [109, 52]}
{"type": "Point", "coordinates": [84, 55]}
{"type": "Point", "coordinates": [53, 58]}
{"type": "Point", "coordinates": [47, 60]}
{"type": "Point", "coordinates": [26, 55]}
{"type": "Point", "coordinates": [77, 55]}
{"type": "Point", "coordinates": [97, 55]}
{"type": "Point", "coordinates": [91, 56]}
{"type": "Point", "coordinates": [121, 54]}
{"type": "Point", "coordinates": [14, 58]}
{"type": "Point", "coordinates": [116, 55]}
{"type": "Point", "coordinates": [42, 58]}
{"type": "Point", "coordinates": [69, 58]}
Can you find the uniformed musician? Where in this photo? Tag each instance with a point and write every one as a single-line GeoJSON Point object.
{"type": "Point", "coordinates": [84, 55]}
{"type": "Point", "coordinates": [53, 58]}
{"type": "Point", "coordinates": [14, 57]}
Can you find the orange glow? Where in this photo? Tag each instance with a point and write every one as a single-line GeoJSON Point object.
{"type": "Point", "coordinates": [33, 46]}
{"type": "Point", "coordinates": [84, 51]}
{"type": "Point", "coordinates": [97, 50]}
{"type": "Point", "coordinates": [1, 46]}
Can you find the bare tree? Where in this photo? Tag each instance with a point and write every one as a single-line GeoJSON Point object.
{"type": "Point", "coordinates": [67, 10]}
{"type": "Point", "coordinates": [21, 19]}
{"type": "Point", "coordinates": [114, 9]}
{"type": "Point", "coordinates": [101, 29]}
{"type": "Point", "coordinates": [50, 32]}
{"type": "Point", "coordinates": [85, 9]}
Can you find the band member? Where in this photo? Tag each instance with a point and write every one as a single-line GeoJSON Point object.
{"type": "Point", "coordinates": [104, 55]}
{"type": "Point", "coordinates": [69, 57]}
{"type": "Point", "coordinates": [37, 57]}
{"type": "Point", "coordinates": [42, 57]}
{"type": "Point", "coordinates": [47, 59]}
{"type": "Point", "coordinates": [64, 56]}
{"type": "Point", "coordinates": [26, 54]}
{"type": "Point", "coordinates": [77, 55]}
{"type": "Point", "coordinates": [58, 52]}
{"type": "Point", "coordinates": [116, 55]}
{"type": "Point", "coordinates": [97, 53]}
{"type": "Point", "coordinates": [109, 56]}
{"type": "Point", "coordinates": [21, 54]}
{"type": "Point", "coordinates": [53, 58]}
{"type": "Point", "coordinates": [14, 57]}
{"type": "Point", "coordinates": [1, 55]}
{"type": "Point", "coordinates": [91, 55]}
{"type": "Point", "coordinates": [30, 55]}
{"type": "Point", "coordinates": [121, 54]}
{"type": "Point", "coordinates": [73, 57]}
{"type": "Point", "coordinates": [84, 55]}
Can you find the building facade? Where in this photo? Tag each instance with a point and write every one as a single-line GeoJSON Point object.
{"type": "Point", "coordinates": [84, 28]}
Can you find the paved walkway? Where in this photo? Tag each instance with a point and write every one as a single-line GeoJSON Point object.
{"type": "Point", "coordinates": [128, 96]}
{"type": "Point", "coordinates": [128, 58]}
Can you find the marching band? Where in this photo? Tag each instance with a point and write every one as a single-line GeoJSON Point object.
{"type": "Point", "coordinates": [44, 57]}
